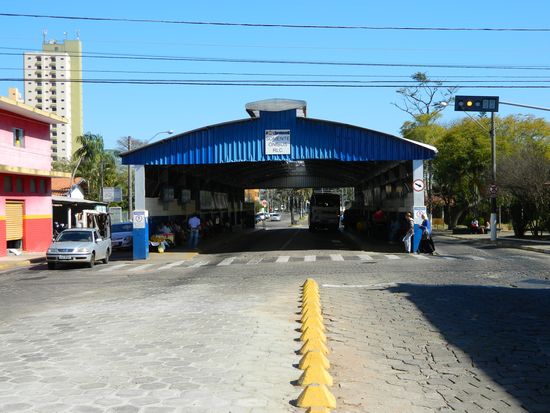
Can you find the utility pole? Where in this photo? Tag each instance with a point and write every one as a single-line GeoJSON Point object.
{"type": "Point", "coordinates": [130, 192]}
{"type": "Point", "coordinates": [494, 180]}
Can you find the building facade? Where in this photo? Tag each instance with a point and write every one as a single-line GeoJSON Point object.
{"type": "Point", "coordinates": [25, 177]}
{"type": "Point", "coordinates": [53, 83]}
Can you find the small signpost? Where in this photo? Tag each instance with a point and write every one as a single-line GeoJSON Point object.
{"type": "Point", "coordinates": [418, 185]}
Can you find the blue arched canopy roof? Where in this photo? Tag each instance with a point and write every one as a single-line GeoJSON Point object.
{"type": "Point", "coordinates": [310, 140]}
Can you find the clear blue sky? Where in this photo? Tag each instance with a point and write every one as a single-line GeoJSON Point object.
{"type": "Point", "coordinates": [115, 111]}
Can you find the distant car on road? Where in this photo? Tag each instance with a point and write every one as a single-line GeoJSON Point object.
{"type": "Point", "coordinates": [260, 217]}
{"type": "Point", "coordinates": [275, 216]}
{"type": "Point", "coordinates": [79, 245]}
{"type": "Point", "coordinates": [122, 235]}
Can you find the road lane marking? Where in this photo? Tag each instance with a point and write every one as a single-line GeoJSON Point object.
{"type": "Point", "coordinates": [227, 261]}
{"type": "Point", "coordinates": [392, 257]}
{"type": "Point", "coordinates": [114, 267]}
{"type": "Point", "coordinates": [282, 258]}
{"type": "Point", "coordinates": [140, 268]}
{"type": "Point", "coordinates": [255, 260]}
{"type": "Point", "coordinates": [448, 258]}
{"type": "Point", "coordinates": [420, 257]}
{"type": "Point", "coordinates": [364, 257]}
{"type": "Point", "coordinates": [475, 257]}
{"type": "Point", "coordinates": [310, 258]}
{"type": "Point", "coordinates": [336, 257]}
{"type": "Point", "coordinates": [198, 264]}
{"type": "Point", "coordinates": [373, 286]}
{"type": "Point", "coordinates": [173, 264]}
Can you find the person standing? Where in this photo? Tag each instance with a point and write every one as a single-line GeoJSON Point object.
{"type": "Point", "coordinates": [194, 224]}
{"type": "Point", "coordinates": [426, 242]}
{"type": "Point", "coordinates": [407, 239]}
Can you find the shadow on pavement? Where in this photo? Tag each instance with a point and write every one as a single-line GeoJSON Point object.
{"type": "Point", "coordinates": [504, 332]}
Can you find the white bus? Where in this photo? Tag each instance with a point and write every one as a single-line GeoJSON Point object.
{"type": "Point", "coordinates": [324, 211]}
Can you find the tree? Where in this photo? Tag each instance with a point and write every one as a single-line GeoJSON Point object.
{"type": "Point", "coordinates": [96, 166]}
{"type": "Point", "coordinates": [425, 97]}
{"type": "Point", "coordinates": [461, 168]}
{"type": "Point", "coordinates": [524, 172]}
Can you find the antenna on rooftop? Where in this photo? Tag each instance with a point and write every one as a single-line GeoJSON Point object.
{"type": "Point", "coordinates": [65, 35]}
{"type": "Point", "coordinates": [44, 34]}
{"type": "Point", "coordinates": [78, 35]}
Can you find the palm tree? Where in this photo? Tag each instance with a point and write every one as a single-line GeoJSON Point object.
{"type": "Point", "coordinates": [91, 155]}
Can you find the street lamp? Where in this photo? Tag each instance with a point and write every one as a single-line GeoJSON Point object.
{"type": "Point", "coordinates": [130, 192]}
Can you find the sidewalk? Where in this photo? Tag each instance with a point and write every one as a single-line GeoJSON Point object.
{"type": "Point", "coordinates": [505, 239]}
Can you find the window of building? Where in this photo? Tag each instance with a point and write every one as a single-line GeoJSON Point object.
{"type": "Point", "coordinates": [42, 188]}
{"type": "Point", "coordinates": [19, 184]}
{"type": "Point", "coordinates": [32, 185]}
{"type": "Point", "coordinates": [7, 184]}
{"type": "Point", "coordinates": [18, 137]}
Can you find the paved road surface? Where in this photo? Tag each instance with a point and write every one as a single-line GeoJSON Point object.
{"type": "Point", "coordinates": [465, 331]}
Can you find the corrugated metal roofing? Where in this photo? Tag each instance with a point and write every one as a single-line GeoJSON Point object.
{"type": "Point", "coordinates": [244, 141]}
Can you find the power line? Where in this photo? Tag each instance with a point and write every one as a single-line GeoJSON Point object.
{"type": "Point", "coordinates": [283, 26]}
{"type": "Point", "coordinates": [97, 55]}
{"type": "Point", "coordinates": [203, 82]}
{"type": "Point", "coordinates": [435, 78]}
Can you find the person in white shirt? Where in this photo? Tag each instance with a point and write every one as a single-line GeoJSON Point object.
{"type": "Point", "coordinates": [194, 224]}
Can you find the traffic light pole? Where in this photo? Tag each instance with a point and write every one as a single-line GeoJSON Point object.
{"type": "Point", "coordinates": [493, 219]}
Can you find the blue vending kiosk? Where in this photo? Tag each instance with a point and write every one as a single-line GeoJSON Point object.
{"type": "Point", "coordinates": [140, 219]}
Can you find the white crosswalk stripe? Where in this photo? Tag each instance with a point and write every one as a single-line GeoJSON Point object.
{"type": "Point", "coordinates": [255, 260]}
{"type": "Point", "coordinates": [171, 265]}
{"type": "Point", "coordinates": [140, 268]}
{"type": "Point", "coordinates": [227, 261]}
{"type": "Point", "coordinates": [282, 258]}
{"type": "Point", "coordinates": [336, 257]}
{"type": "Point", "coordinates": [420, 257]}
{"type": "Point", "coordinates": [364, 257]}
{"type": "Point", "coordinates": [114, 267]}
{"type": "Point", "coordinates": [392, 257]}
{"type": "Point", "coordinates": [198, 264]}
{"type": "Point", "coordinates": [310, 258]}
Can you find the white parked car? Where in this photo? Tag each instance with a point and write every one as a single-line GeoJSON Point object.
{"type": "Point", "coordinates": [122, 235]}
{"type": "Point", "coordinates": [275, 216]}
{"type": "Point", "coordinates": [79, 245]}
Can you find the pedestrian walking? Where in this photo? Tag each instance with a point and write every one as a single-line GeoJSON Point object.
{"type": "Point", "coordinates": [194, 224]}
{"type": "Point", "coordinates": [407, 239]}
{"type": "Point", "coordinates": [426, 243]}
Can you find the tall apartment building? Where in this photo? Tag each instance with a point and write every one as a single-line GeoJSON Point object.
{"type": "Point", "coordinates": [52, 83]}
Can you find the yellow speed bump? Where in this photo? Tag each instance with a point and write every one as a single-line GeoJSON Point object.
{"type": "Point", "coordinates": [314, 333]}
{"type": "Point", "coordinates": [314, 344]}
{"type": "Point", "coordinates": [311, 314]}
{"type": "Point", "coordinates": [313, 304]}
{"type": "Point", "coordinates": [309, 281]}
{"type": "Point", "coordinates": [317, 395]}
{"type": "Point", "coordinates": [315, 374]}
{"type": "Point", "coordinates": [313, 358]}
{"type": "Point", "coordinates": [312, 322]}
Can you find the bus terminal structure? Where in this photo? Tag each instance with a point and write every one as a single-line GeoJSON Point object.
{"type": "Point", "coordinates": [278, 146]}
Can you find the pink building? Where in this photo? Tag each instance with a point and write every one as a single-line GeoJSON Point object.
{"type": "Point", "coordinates": [25, 176]}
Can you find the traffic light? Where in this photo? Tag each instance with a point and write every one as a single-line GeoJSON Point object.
{"type": "Point", "coordinates": [476, 103]}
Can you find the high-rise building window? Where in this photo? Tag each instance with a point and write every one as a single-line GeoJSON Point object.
{"type": "Point", "coordinates": [32, 185]}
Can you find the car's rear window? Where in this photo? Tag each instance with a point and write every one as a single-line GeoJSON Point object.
{"type": "Point", "coordinates": [75, 236]}
{"type": "Point", "coordinates": [121, 228]}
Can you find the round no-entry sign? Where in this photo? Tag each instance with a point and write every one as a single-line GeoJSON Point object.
{"type": "Point", "coordinates": [418, 185]}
